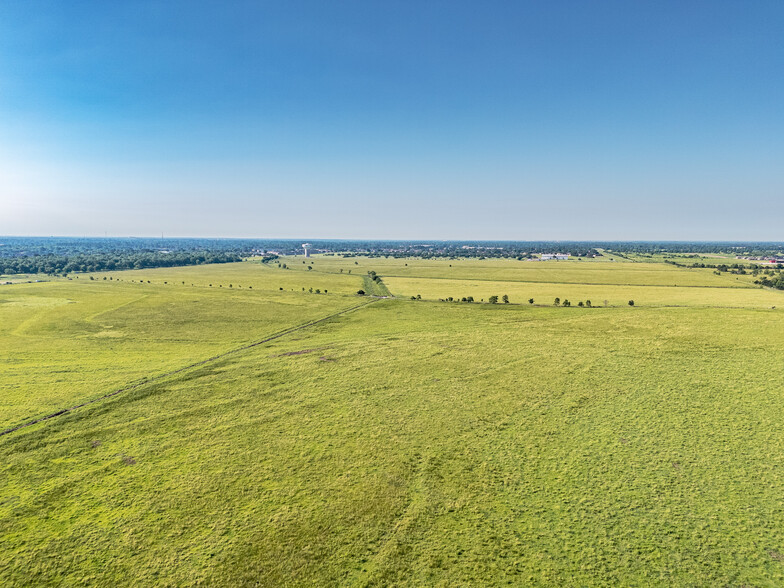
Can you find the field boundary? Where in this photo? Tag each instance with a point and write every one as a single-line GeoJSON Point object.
{"type": "Point", "coordinates": [155, 378]}
{"type": "Point", "coordinates": [375, 288]}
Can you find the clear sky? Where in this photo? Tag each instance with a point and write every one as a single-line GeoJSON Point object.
{"type": "Point", "coordinates": [393, 119]}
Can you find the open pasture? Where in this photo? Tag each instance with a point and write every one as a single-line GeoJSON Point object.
{"type": "Point", "coordinates": [403, 443]}
{"type": "Point", "coordinates": [423, 444]}
{"type": "Point", "coordinates": [63, 342]}
{"type": "Point", "coordinates": [542, 293]}
{"type": "Point", "coordinates": [512, 270]}
{"type": "Point", "coordinates": [249, 274]}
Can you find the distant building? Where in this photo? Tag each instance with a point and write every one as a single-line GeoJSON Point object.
{"type": "Point", "coordinates": [561, 256]}
{"type": "Point", "coordinates": [306, 247]}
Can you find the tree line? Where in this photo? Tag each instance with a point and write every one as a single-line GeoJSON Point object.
{"type": "Point", "coordinates": [66, 264]}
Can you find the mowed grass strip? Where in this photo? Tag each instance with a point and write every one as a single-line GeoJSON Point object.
{"type": "Point", "coordinates": [520, 293]}
{"type": "Point", "coordinates": [64, 342]}
{"type": "Point", "coordinates": [425, 444]}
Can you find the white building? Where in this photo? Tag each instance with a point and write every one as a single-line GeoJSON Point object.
{"type": "Point", "coordinates": [561, 256]}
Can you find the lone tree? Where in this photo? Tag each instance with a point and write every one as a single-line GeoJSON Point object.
{"type": "Point", "coordinates": [557, 301]}
{"type": "Point", "coordinates": [493, 299]}
{"type": "Point", "coordinates": [631, 302]}
{"type": "Point", "coordinates": [588, 303]}
{"type": "Point", "coordinates": [361, 292]}
{"type": "Point", "coordinates": [567, 303]}
{"type": "Point", "coordinates": [530, 301]}
{"type": "Point", "coordinates": [505, 298]}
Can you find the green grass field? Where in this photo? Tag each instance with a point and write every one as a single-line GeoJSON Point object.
{"type": "Point", "coordinates": [63, 342]}
{"type": "Point", "coordinates": [543, 293]}
{"type": "Point", "coordinates": [599, 271]}
{"type": "Point", "coordinates": [251, 274]}
{"type": "Point", "coordinates": [403, 443]}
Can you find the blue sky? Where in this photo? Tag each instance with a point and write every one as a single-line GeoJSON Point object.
{"type": "Point", "coordinates": [463, 120]}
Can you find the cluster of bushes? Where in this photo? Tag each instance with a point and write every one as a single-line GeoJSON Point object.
{"type": "Point", "coordinates": [776, 281]}
{"type": "Point", "coordinates": [494, 299]}
{"type": "Point", "coordinates": [567, 302]}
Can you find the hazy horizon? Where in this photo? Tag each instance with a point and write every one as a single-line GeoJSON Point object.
{"type": "Point", "coordinates": [423, 240]}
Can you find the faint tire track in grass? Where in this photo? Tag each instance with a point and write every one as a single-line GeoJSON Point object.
{"type": "Point", "coordinates": [130, 387]}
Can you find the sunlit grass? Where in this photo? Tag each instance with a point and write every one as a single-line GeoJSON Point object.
{"type": "Point", "coordinates": [405, 443]}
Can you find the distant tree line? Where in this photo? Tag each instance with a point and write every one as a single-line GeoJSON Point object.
{"type": "Point", "coordinates": [735, 268]}
{"type": "Point", "coordinates": [66, 264]}
{"type": "Point", "coordinates": [52, 248]}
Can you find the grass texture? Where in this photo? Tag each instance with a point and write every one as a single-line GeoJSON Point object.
{"type": "Point", "coordinates": [405, 443]}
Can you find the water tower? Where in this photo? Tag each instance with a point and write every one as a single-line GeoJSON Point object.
{"type": "Point", "coordinates": [306, 247]}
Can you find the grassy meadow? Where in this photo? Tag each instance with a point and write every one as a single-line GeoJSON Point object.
{"type": "Point", "coordinates": [63, 342]}
{"type": "Point", "coordinates": [544, 293]}
{"type": "Point", "coordinates": [403, 443]}
{"type": "Point", "coordinates": [604, 272]}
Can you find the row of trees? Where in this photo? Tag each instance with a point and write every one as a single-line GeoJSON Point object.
{"type": "Point", "coordinates": [771, 276]}
{"type": "Point", "coordinates": [566, 302]}
{"type": "Point", "coordinates": [505, 299]}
